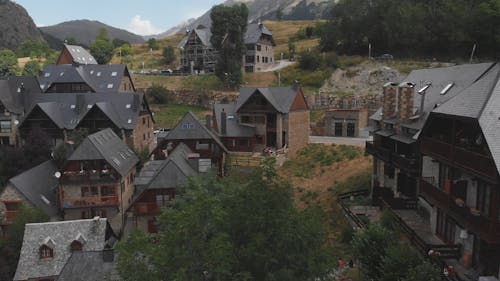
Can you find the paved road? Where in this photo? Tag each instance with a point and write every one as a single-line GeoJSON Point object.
{"type": "Point", "coordinates": [337, 140]}
{"type": "Point", "coordinates": [282, 64]}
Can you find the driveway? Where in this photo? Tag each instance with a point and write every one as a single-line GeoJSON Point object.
{"type": "Point", "coordinates": [280, 65]}
{"type": "Point", "coordinates": [338, 140]}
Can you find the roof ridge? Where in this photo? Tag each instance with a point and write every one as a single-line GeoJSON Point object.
{"type": "Point", "coordinates": [490, 91]}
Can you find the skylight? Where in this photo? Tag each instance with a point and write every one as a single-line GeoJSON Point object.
{"type": "Point", "coordinates": [424, 88]}
{"type": "Point", "coordinates": [47, 74]}
{"type": "Point", "coordinates": [114, 73]}
{"type": "Point", "coordinates": [78, 50]}
{"type": "Point", "coordinates": [73, 106]}
{"type": "Point", "coordinates": [128, 105]}
{"type": "Point", "coordinates": [129, 121]}
{"type": "Point", "coordinates": [98, 73]}
{"type": "Point", "coordinates": [110, 86]}
{"type": "Point", "coordinates": [89, 106]}
{"type": "Point", "coordinates": [117, 162]}
{"type": "Point", "coordinates": [91, 72]}
{"type": "Point", "coordinates": [61, 74]}
{"type": "Point", "coordinates": [447, 88]}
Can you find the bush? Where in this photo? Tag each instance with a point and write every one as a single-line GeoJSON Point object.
{"type": "Point", "coordinates": [159, 94]}
{"type": "Point", "coordinates": [169, 54]}
{"type": "Point", "coordinates": [331, 60]}
{"type": "Point", "coordinates": [153, 44]}
{"type": "Point", "coordinates": [397, 262]}
{"type": "Point", "coordinates": [32, 68]}
{"type": "Point", "coordinates": [309, 61]}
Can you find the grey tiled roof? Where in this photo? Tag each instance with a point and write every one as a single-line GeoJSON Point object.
{"type": "Point", "coordinates": [233, 127]}
{"type": "Point", "coordinates": [281, 98]}
{"type": "Point", "coordinates": [203, 33]}
{"type": "Point", "coordinates": [66, 110]}
{"type": "Point", "coordinates": [89, 266]}
{"type": "Point", "coordinates": [93, 234]}
{"type": "Point", "coordinates": [80, 55]}
{"type": "Point", "coordinates": [254, 32]}
{"type": "Point", "coordinates": [39, 186]}
{"type": "Point", "coordinates": [99, 77]}
{"type": "Point", "coordinates": [106, 145]}
{"type": "Point", "coordinates": [190, 128]}
{"type": "Point", "coordinates": [15, 89]}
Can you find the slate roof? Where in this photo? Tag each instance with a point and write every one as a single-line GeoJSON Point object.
{"type": "Point", "coordinates": [254, 32]}
{"type": "Point", "coordinates": [66, 110]}
{"type": "Point", "coordinates": [190, 128]}
{"type": "Point", "coordinates": [203, 33]}
{"type": "Point", "coordinates": [106, 145]}
{"type": "Point", "coordinates": [92, 233]}
{"type": "Point", "coordinates": [99, 77]}
{"type": "Point", "coordinates": [38, 185]}
{"type": "Point", "coordinates": [14, 91]}
{"type": "Point", "coordinates": [80, 55]}
{"type": "Point", "coordinates": [233, 127]}
{"type": "Point", "coordinates": [281, 98]}
{"type": "Point", "coordinates": [89, 266]}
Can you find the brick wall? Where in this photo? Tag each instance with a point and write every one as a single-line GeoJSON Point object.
{"type": "Point", "coordinates": [405, 102]}
{"type": "Point", "coordinates": [298, 131]}
{"type": "Point", "coordinates": [389, 101]}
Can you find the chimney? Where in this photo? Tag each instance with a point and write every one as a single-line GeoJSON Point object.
{"type": "Point", "coordinates": [406, 100]}
{"type": "Point", "coordinates": [389, 100]}
{"type": "Point", "coordinates": [260, 25]}
{"type": "Point", "coordinates": [421, 92]}
{"type": "Point", "coordinates": [108, 255]}
{"type": "Point", "coordinates": [208, 121]}
{"type": "Point", "coordinates": [223, 122]}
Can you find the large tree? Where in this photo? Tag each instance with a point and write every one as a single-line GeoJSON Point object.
{"type": "Point", "coordinates": [8, 63]}
{"type": "Point", "coordinates": [102, 49]}
{"type": "Point", "coordinates": [229, 24]}
{"type": "Point", "coordinates": [222, 230]}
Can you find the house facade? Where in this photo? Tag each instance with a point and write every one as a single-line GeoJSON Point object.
{"type": "Point", "coordinates": [260, 44]}
{"type": "Point", "coordinates": [434, 152]}
{"type": "Point", "coordinates": [97, 179]}
{"type": "Point", "coordinates": [345, 122]}
{"type": "Point", "coordinates": [276, 116]}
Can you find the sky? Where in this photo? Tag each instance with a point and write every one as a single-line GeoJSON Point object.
{"type": "Point", "coordinates": [143, 17]}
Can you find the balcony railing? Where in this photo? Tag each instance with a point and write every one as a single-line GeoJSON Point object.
{"type": "Point", "coordinates": [469, 218]}
{"type": "Point", "coordinates": [380, 152]}
{"type": "Point", "coordinates": [475, 162]}
{"type": "Point", "coordinates": [90, 201]}
{"type": "Point", "coordinates": [408, 163]}
{"type": "Point", "coordinates": [146, 208]}
{"type": "Point", "coordinates": [85, 177]}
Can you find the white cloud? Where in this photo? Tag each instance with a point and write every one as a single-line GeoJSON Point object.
{"type": "Point", "coordinates": [141, 26]}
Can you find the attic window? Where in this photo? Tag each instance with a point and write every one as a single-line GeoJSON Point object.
{"type": "Point", "coordinates": [110, 86]}
{"type": "Point", "coordinates": [127, 105]}
{"type": "Point", "coordinates": [46, 252]}
{"type": "Point", "coordinates": [91, 72]}
{"type": "Point", "coordinates": [98, 73]}
{"type": "Point", "coordinates": [78, 50]}
{"type": "Point", "coordinates": [61, 74]}
{"type": "Point", "coordinates": [47, 74]}
{"type": "Point", "coordinates": [129, 121]}
{"type": "Point", "coordinates": [76, 246]}
{"type": "Point", "coordinates": [187, 125]}
{"type": "Point", "coordinates": [114, 73]}
{"type": "Point", "coordinates": [89, 106]}
{"type": "Point", "coordinates": [446, 89]}
{"type": "Point", "coordinates": [72, 106]}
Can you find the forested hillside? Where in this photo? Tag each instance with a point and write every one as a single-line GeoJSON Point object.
{"type": "Point", "coordinates": [441, 28]}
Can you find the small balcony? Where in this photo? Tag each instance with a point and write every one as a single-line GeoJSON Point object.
{"type": "Point", "coordinates": [378, 151]}
{"type": "Point", "coordinates": [104, 176]}
{"type": "Point", "coordinates": [90, 201]}
{"type": "Point", "coordinates": [407, 163]}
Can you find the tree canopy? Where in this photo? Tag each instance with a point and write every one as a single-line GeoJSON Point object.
{"type": "Point", "coordinates": [8, 63]}
{"type": "Point", "coordinates": [414, 27]}
{"type": "Point", "coordinates": [102, 49]}
{"type": "Point", "coordinates": [229, 24]}
{"type": "Point", "coordinates": [223, 230]}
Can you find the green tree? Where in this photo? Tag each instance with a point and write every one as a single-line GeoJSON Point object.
{"type": "Point", "coordinates": [169, 54]}
{"type": "Point", "coordinates": [126, 50]}
{"type": "Point", "coordinates": [369, 247]}
{"type": "Point", "coordinates": [8, 63]}
{"type": "Point", "coordinates": [291, 49]}
{"type": "Point", "coordinates": [159, 94]}
{"type": "Point", "coordinates": [309, 60]}
{"type": "Point", "coordinates": [34, 49]}
{"type": "Point", "coordinates": [228, 29]}
{"type": "Point", "coordinates": [70, 41]}
{"type": "Point", "coordinates": [119, 42]}
{"type": "Point", "coordinates": [424, 272]}
{"type": "Point", "coordinates": [32, 68]}
{"type": "Point", "coordinates": [397, 262]}
{"type": "Point", "coordinates": [153, 44]}
{"type": "Point", "coordinates": [102, 50]}
{"type": "Point", "coordinates": [279, 14]}
{"type": "Point", "coordinates": [102, 34]}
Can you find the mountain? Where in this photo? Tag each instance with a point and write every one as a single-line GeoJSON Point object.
{"type": "Point", "coordinates": [266, 10]}
{"type": "Point", "coordinates": [16, 26]}
{"type": "Point", "coordinates": [85, 31]}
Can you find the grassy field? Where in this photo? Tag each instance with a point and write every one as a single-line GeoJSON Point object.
{"type": "Point", "coordinates": [168, 115]}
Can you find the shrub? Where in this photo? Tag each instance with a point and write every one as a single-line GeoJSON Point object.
{"type": "Point", "coordinates": [159, 94]}
{"type": "Point", "coordinates": [309, 60]}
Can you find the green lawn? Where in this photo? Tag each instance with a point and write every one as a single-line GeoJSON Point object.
{"type": "Point", "coordinates": [168, 115]}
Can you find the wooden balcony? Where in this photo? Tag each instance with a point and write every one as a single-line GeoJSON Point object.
{"type": "Point", "coordinates": [146, 209]}
{"type": "Point", "coordinates": [89, 177]}
{"type": "Point", "coordinates": [486, 227]}
{"type": "Point", "coordinates": [90, 201]}
{"type": "Point", "coordinates": [377, 151]}
{"type": "Point", "coordinates": [408, 163]}
{"type": "Point", "coordinates": [477, 163]}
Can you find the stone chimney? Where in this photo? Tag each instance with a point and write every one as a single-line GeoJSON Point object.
{"type": "Point", "coordinates": [389, 100]}
{"type": "Point", "coordinates": [406, 100]}
{"type": "Point", "coordinates": [223, 123]}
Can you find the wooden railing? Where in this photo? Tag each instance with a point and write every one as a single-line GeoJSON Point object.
{"type": "Point", "coordinates": [90, 201]}
{"type": "Point", "coordinates": [85, 177]}
{"type": "Point", "coordinates": [345, 208]}
{"type": "Point", "coordinates": [378, 151]}
{"type": "Point", "coordinates": [409, 163]}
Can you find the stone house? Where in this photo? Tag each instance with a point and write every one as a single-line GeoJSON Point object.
{"type": "Point", "coordinates": [345, 122]}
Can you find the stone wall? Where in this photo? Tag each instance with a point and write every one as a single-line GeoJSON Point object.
{"type": "Point", "coordinates": [143, 137]}
{"type": "Point", "coordinates": [406, 101]}
{"type": "Point", "coordinates": [298, 131]}
{"type": "Point", "coordinates": [9, 194]}
{"type": "Point", "coordinates": [201, 98]}
{"type": "Point", "coordinates": [389, 101]}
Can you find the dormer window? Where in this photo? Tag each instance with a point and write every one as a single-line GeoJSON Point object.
{"type": "Point", "coordinates": [46, 252]}
{"type": "Point", "coordinates": [76, 246]}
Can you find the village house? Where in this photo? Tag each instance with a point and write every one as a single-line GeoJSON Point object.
{"type": "Point", "coordinates": [75, 55]}
{"type": "Point", "coordinates": [47, 247]}
{"type": "Point", "coordinates": [35, 188]}
{"type": "Point", "coordinates": [200, 139]}
{"type": "Point", "coordinates": [158, 182]}
{"type": "Point", "coordinates": [435, 161]}
{"type": "Point", "coordinates": [97, 179]}
{"type": "Point", "coordinates": [14, 92]}
{"type": "Point", "coordinates": [197, 55]}
{"type": "Point", "coordinates": [346, 122]}
{"type": "Point", "coordinates": [276, 117]}
{"type": "Point", "coordinates": [58, 114]}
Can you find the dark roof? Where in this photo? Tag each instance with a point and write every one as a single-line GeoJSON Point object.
{"type": "Point", "coordinates": [254, 32]}
{"type": "Point", "coordinates": [190, 128]}
{"type": "Point", "coordinates": [89, 266]}
{"type": "Point", "coordinates": [233, 127]}
{"type": "Point", "coordinates": [281, 98]}
{"type": "Point", "coordinates": [14, 91]}
{"type": "Point", "coordinates": [92, 233]}
{"type": "Point", "coordinates": [66, 110]}
{"type": "Point", "coordinates": [80, 55]}
{"type": "Point", "coordinates": [106, 145]}
{"type": "Point", "coordinates": [39, 186]}
{"type": "Point", "coordinates": [385, 132]}
{"type": "Point", "coordinates": [99, 77]}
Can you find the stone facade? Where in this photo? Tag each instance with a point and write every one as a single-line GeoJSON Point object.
{"type": "Point", "coordinates": [259, 57]}
{"type": "Point", "coordinates": [389, 103]}
{"type": "Point", "coordinates": [142, 137]}
{"type": "Point", "coordinates": [10, 194]}
{"type": "Point", "coordinates": [298, 131]}
{"type": "Point", "coordinates": [343, 118]}
{"type": "Point", "coordinates": [406, 101]}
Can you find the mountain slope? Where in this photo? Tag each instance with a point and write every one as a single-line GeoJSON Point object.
{"type": "Point", "coordinates": [16, 26]}
{"type": "Point", "coordinates": [85, 31]}
{"type": "Point", "coordinates": [266, 10]}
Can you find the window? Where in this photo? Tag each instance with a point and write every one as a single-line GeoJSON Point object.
{"type": "Point", "coordinates": [259, 139]}
{"type": "Point", "coordinates": [107, 190]}
{"type": "Point", "coordinates": [114, 73]}
{"type": "Point", "coordinates": [259, 48]}
{"type": "Point", "coordinates": [5, 126]}
{"type": "Point", "coordinates": [76, 246]}
{"type": "Point", "coordinates": [143, 120]}
{"type": "Point", "coordinates": [46, 252]}
{"type": "Point", "coordinates": [258, 59]}
{"type": "Point", "coordinates": [110, 86]}
{"type": "Point", "coordinates": [338, 129]}
{"type": "Point", "coordinates": [187, 125]}
{"type": "Point", "coordinates": [89, 191]}
{"type": "Point", "coordinates": [483, 198]}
